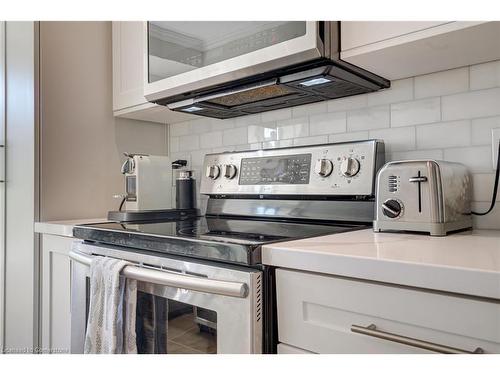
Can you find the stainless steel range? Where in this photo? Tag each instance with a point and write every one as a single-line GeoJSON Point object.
{"type": "Point", "coordinates": [207, 270]}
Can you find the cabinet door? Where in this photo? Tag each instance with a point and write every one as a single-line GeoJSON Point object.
{"type": "Point", "coordinates": [326, 314]}
{"type": "Point", "coordinates": [360, 33]}
{"type": "Point", "coordinates": [128, 81]}
{"type": "Point", "coordinates": [397, 50]}
{"type": "Point", "coordinates": [128, 77]}
{"type": "Point", "coordinates": [56, 293]}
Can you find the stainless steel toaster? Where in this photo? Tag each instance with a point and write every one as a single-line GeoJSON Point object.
{"type": "Point", "coordinates": [423, 196]}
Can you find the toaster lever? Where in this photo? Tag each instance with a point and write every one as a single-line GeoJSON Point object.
{"type": "Point", "coordinates": [418, 179]}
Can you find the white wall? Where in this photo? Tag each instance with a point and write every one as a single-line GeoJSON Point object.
{"type": "Point", "coordinates": [81, 142]}
{"type": "Point", "coordinates": [446, 115]}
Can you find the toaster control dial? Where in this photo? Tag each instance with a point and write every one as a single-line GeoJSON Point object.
{"type": "Point", "coordinates": [349, 167]}
{"type": "Point", "coordinates": [323, 167]}
{"type": "Point", "coordinates": [392, 208]}
{"type": "Point", "coordinates": [230, 171]}
{"type": "Point", "coordinates": [213, 171]}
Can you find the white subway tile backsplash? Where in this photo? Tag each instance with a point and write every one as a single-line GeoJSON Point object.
{"type": "Point", "coordinates": [197, 159]}
{"type": "Point", "coordinates": [293, 128]}
{"type": "Point", "coordinates": [368, 118]}
{"type": "Point", "coordinates": [217, 150]}
{"type": "Point", "coordinates": [481, 130]}
{"type": "Point", "coordinates": [211, 140]}
{"type": "Point", "coordinates": [236, 136]}
{"type": "Point", "coordinates": [483, 76]}
{"type": "Point", "coordinates": [400, 91]}
{"type": "Point", "coordinates": [442, 83]}
{"type": "Point", "coordinates": [173, 144]}
{"type": "Point", "coordinates": [309, 109]}
{"type": "Point", "coordinates": [248, 120]}
{"type": "Point", "coordinates": [328, 123]}
{"type": "Point", "coordinates": [482, 187]}
{"type": "Point", "coordinates": [471, 104]}
{"type": "Point", "coordinates": [421, 111]}
{"type": "Point", "coordinates": [189, 142]}
{"type": "Point", "coordinates": [280, 114]}
{"type": "Point", "coordinates": [418, 154]}
{"type": "Point", "coordinates": [252, 146]}
{"type": "Point", "coordinates": [348, 103]}
{"type": "Point", "coordinates": [396, 139]}
{"type": "Point", "coordinates": [178, 129]}
{"type": "Point", "coordinates": [199, 126]}
{"type": "Point", "coordinates": [262, 133]}
{"type": "Point", "coordinates": [277, 144]}
{"type": "Point", "coordinates": [477, 158]}
{"type": "Point", "coordinates": [217, 124]}
{"type": "Point", "coordinates": [444, 135]}
{"type": "Point", "coordinates": [316, 140]}
{"type": "Point", "coordinates": [255, 146]}
{"type": "Point", "coordinates": [348, 137]}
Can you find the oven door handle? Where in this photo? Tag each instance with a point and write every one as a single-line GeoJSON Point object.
{"type": "Point", "coordinates": [194, 283]}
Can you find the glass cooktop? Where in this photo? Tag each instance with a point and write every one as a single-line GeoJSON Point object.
{"type": "Point", "coordinates": [235, 240]}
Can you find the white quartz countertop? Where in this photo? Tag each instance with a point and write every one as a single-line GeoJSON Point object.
{"type": "Point", "coordinates": [465, 263]}
{"type": "Point", "coordinates": [63, 227]}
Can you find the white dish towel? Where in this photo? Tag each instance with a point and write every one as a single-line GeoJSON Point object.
{"type": "Point", "coordinates": [112, 311]}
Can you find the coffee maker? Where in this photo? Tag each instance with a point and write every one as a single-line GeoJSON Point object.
{"type": "Point", "coordinates": [149, 186]}
{"type": "Point", "coordinates": [148, 182]}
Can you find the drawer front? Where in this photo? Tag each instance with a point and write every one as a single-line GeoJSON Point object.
{"type": "Point", "coordinates": [317, 312]}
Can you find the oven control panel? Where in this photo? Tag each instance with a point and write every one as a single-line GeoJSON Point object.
{"type": "Point", "coordinates": [333, 169]}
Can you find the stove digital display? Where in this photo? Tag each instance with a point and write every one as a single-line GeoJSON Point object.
{"type": "Point", "coordinates": [276, 170]}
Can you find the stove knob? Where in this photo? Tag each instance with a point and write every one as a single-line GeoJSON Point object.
{"type": "Point", "coordinates": [323, 167]}
{"type": "Point", "coordinates": [392, 208]}
{"type": "Point", "coordinates": [230, 171]}
{"type": "Point", "coordinates": [213, 172]}
{"type": "Point", "coordinates": [349, 167]}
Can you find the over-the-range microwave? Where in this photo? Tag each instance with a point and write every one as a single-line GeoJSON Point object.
{"type": "Point", "coordinates": [230, 69]}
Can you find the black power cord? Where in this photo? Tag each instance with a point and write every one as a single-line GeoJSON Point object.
{"type": "Point", "coordinates": [122, 203]}
{"type": "Point", "coordinates": [495, 188]}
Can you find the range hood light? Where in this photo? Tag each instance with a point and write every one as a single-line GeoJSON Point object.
{"type": "Point", "coordinates": [192, 109]}
{"type": "Point", "coordinates": [315, 81]}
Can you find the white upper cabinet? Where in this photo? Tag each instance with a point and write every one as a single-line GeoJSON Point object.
{"type": "Point", "coordinates": [361, 33]}
{"type": "Point", "coordinates": [404, 49]}
{"type": "Point", "coordinates": [128, 77]}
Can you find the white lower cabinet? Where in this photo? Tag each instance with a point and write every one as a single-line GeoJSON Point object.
{"type": "Point", "coordinates": [326, 314]}
{"type": "Point", "coordinates": [56, 294]}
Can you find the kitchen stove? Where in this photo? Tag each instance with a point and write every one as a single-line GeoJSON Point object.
{"type": "Point", "coordinates": [254, 198]}
{"type": "Point", "coordinates": [259, 197]}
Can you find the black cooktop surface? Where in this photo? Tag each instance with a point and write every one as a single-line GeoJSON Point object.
{"type": "Point", "coordinates": [223, 239]}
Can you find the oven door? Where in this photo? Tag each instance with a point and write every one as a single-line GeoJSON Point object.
{"type": "Point", "coordinates": [182, 306]}
{"type": "Point", "coordinates": [183, 57]}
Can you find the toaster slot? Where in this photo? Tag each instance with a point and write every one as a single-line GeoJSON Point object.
{"type": "Point", "coordinates": [419, 179]}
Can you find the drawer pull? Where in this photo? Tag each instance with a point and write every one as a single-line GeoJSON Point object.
{"type": "Point", "coordinates": [372, 331]}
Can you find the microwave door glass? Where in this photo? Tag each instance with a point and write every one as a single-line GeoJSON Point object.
{"type": "Point", "coordinates": [177, 47]}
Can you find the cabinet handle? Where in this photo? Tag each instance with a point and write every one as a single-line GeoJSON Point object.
{"type": "Point", "coordinates": [372, 331]}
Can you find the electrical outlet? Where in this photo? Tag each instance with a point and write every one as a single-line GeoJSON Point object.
{"type": "Point", "coordinates": [495, 139]}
